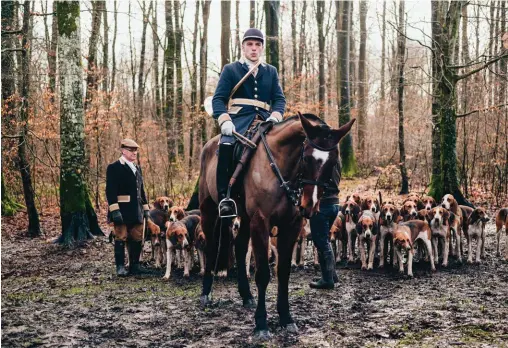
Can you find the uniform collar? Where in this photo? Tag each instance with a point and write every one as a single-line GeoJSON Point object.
{"type": "Point", "coordinates": [124, 161]}
{"type": "Point", "coordinates": [249, 63]}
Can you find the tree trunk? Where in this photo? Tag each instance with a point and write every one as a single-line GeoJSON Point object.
{"type": "Point", "coordinates": [74, 198]}
{"type": "Point", "coordinates": [401, 53]}
{"type": "Point", "coordinates": [301, 50]}
{"type": "Point", "coordinates": [113, 52]}
{"type": "Point", "coordinates": [156, 42]}
{"type": "Point", "coordinates": [320, 15]}
{"type": "Point", "coordinates": [92, 78]}
{"type": "Point", "coordinates": [179, 81]}
{"type": "Point", "coordinates": [362, 82]}
{"type": "Point", "coordinates": [464, 98]}
{"type": "Point", "coordinates": [225, 36]}
{"type": "Point", "coordinates": [193, 158]}
{"type": "Point", "coordinates": [252, 19]}
{"type": "Point", "coordinates": [34, 228]}
{"type": "Point", "coordinates": [52, 57]}
{"type": "Point", "coordinates": [170, 83]}
{"type": "Point", "coordinates": [9, 205]}
{"type": "Point", "coordinates": [349, 166]}
{"type": "Point", "coordinates": [105, 50]}
{"type": "Point", "coordinates": [272, 13]}
{"type": "Point", "coordinates": [382, 101]}
{"type": "Point", "coordinates": [238, 40]}
{"type": "Point", "coordinates": [203, 59]}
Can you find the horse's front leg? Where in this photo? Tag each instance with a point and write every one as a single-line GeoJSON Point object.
{"type": "Point", "coordinates": [241, 246]}
{"type": "Point", "coordinates": [287, 238]}
{"type": "Point", "coordinates": [208, 220]}
{"type": "Point", "coordinates": [259, 230]}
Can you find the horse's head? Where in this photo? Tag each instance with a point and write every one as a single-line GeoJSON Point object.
{"type": "Point", "coordinates": [320, 154]}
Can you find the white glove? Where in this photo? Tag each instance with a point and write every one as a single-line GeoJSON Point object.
{"type": "Point", "coordinates": [272, 119]}
{"type": "Point", "coordinates": [227, 128]}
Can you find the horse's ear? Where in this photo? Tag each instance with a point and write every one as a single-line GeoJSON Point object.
{"type": "Point", "coordinates": [307, 126]}
{"type": "Point", "coordinates": [340, 133]}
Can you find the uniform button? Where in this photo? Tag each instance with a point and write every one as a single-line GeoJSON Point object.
{"type": "Point", "coordinates": [256, 96]}
{"type": "Point", "coordinates": [255, 82]}
{"type": "Point", "coordinates": [255, 88]}
{"type": "Point", "coordinates": [257, 108]}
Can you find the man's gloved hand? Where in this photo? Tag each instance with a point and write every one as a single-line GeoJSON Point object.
{"type": "Point", "coordinates": [146, 214]}
{"type": "Point", "coordinates": [272, 119]}
{"type": "Point", "coordinates": [227, 128]}
{"type": "Point", "coordinates": [116, 215]}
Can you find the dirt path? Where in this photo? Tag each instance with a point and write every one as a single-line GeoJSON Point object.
{"type": "Point", "coordinates": [56, 297]}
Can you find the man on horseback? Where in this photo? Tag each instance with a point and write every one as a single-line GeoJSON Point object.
{"type": "Point", "coordinates": [236, 106]}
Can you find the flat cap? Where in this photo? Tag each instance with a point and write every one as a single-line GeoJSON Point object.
{"type": "Point", "coordinates": [129, 143]}
{"type": "Point", "coordinates": [253, 34]}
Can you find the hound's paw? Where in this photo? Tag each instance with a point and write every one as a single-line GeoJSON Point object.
{"type": "Point", "coordinates": [222, 274]}
{"type": "Point", "coordinates": [165, 278]}
{"type": "Point", "coordinates": [470, 262]}
{"type": "Point", "coordinates": [202, 273]}
{"type": "Point", "coordinates": [186, 275]}
{"type": "Point", "coordinates": [364, 268]}
{"type": "Point", "coordinates": [444, 264]}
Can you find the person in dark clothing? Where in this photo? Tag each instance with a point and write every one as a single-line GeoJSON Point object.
{"type": "Point", "coordinates": [320, 224]}
{"type": "Point", "coordinates": [128, 207]}
{"type": "Point", "coordinates": [259, 97]}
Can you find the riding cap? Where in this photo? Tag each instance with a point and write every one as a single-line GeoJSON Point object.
{"type": "Point", "coordinates": [129, 143]}
{"type": "Point", "coordinates": [254, 34]}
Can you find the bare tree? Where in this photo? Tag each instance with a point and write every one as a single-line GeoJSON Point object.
{"type": "Point", "coordinates": [362, 82]}
{"type": "Point", "coordinates": [252, 19]}
{"type": "Point", "coordinates": [320, 15]}
{"type": "Point", "coordinates": [225, 16]}
{"type": "Point", "coordinates": [272, 12]}
{"type": "Point", "coordinates": [349, 166]}
{"type": "Point", "coordinates": [203, 58]}
{"type": "Point", "coordinates": [169, 55]}
{"type": "Point", "coordinates": [179, 80]}
{"type": "Point", "coordinates": [401, 55]}
{"type": "Point", "coordinates": [77, 222]}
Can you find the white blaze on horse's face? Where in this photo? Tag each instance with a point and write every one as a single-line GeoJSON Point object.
{"type": "Point", "coordinates": [321, 158]}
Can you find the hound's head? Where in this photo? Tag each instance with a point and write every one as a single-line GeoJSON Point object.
{"type": "Point", "coordinates": [163, 203]}
{"type": "Point", "coordinates": [401, 240]}
{"type": "Point", "coordinates": [370, 203]}
{"type": "Point", "coordinates": [235, 227]}
{"type": "Point", "coordinates": [478, 216]}
{"type": "Point", "coordinates": [336, 230]}
{"type": "Point", "coordinates": [367, 225]}
{"type": "Point", "coordinates": [389, 213]}
{"type": "Point", "coordinates": [448, 201]}
{"type": "Point", "coordinates": [438, 216]}
{"type": "Point", "coordinates": [409, 209]}
{"type": "Point", "coordinates": [176, 214]}
{"type": "Point", "coordinates": [178, 231]}
{"type": "Point", "coordinates": [428, 202]}
{"type": "Point", "coordinates": [351, 211]}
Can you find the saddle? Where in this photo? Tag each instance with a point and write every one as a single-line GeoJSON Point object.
{"type": "Point", "coordinates": [242, 153]}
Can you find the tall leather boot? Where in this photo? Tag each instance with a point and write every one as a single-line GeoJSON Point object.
{"type": "Point", "coordinates": [224, 172]}
{"type": "Point", "coordinates": [327, 271]}
{"type": "Point", "coordinates": [321, 262]}
{"type": "Point", "coordinates": [134, 252]}
{"type": "Point", "coordinates": [120, 258]}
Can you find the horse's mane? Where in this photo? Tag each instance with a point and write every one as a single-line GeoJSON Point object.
{"type": "Point", "coordinates": [310, 117]}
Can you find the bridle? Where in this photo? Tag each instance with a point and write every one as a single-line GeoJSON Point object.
{"type": "Point", "coordinates": [295, 191]}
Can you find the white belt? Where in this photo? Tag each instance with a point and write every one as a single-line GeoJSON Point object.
{"type": "Point", "coordinates": [252, 102]}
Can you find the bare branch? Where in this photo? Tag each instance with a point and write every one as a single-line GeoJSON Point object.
{"type": "Point", "coordinates": [407, 37]}
{"type": "Point", "coordinates": [8, 32]}
{"type": "Point", "coordinates": [479, 110]}
{"type": "Point", "coordinates": [13, 50]}
{"type": "Point", "coordinates": [474, 71]}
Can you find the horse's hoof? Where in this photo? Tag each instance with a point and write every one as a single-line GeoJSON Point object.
{"type": "Point", "coordinates": [249, 303]}
{"type": "Point", "coordinates": [205, 300]}
{"type": "Point", "coordinates": [291, 328]}
{"type": "Point", "coordinates": [261, 335]}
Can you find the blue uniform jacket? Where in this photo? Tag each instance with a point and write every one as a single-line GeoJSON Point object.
{"type": "Point", "coordinates": [264, 87]}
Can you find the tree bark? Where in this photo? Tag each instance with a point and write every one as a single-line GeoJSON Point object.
{"type": "Point", "coordinates": [105, 50]}
{"type": "Point", "coordinates": [92, 78]}
{"type": "Point", "coordinates": [272, 13]}
{"type": "Point", "coordinates": [320, 15]}
{"type": "Point", "coordinates": [362, 82]}
{"type": "Point", "coordinates": [252, 19]}
{"type": "Point", "coordinates": [382, 101]}
{"type": "Point", "coordinates": [179, 81]}
{"type": "Point", "coordinates": [9, 205]}
{"type": "Point", "coordinates": [194, 151]}
{"type": "Point", "coordinates": [301, 50]}
{"type": "Point", "coordinates": [203, 59]}
{"type": "Point", "coordinates": [225, 36]}
{"type": "Point", "coordinates": [170, 83]}
{"type": "Point", "coordinates": [113, 51]}
{"type": "Point", "coordinates": [155, 41]}
{"type": "Point", "coordinates": [238, 40]}
{"type": "Point", "coordinates": [74, 199]}
{"type": "Point", "coordinates": [349, 166]}
{"type": "Point", "coordinates": [401, 53]}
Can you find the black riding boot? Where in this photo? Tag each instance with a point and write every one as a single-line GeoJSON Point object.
{"type": "Point", "coordinates": [134, 252]}
{"type": "Point", "coordinates": [327, 264]}
{"type": "Point", "coordinates": [224, 172]}
{"type": "Point", "coordinates": [120, 258]}
{"type": "Point", "coordinates": [321, 262]}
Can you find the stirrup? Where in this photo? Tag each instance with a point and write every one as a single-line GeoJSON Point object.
{"type": "Point", "coordinates": [231, 204]}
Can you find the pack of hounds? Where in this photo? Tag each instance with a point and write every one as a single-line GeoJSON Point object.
{"type": "Point", "coordinates": [419, 228]}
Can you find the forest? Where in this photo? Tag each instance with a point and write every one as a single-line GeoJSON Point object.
{"type": "Point", "coordinates": [426, 82]}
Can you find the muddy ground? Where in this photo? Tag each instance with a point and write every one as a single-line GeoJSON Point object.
{"type": "Point", "coordinates": [54, 297]}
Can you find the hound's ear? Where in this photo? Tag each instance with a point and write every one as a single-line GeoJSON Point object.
{"type": "Point", "coordinates": [156, 204]}
{"type": "Point", "coordinates": [446, 216]}
{"type": "Point", "coordinates": [473, 217]}
{"type": "Point", "coordinates": [396, 214]}
{"type": "Point", "coordinates": [451, 219]}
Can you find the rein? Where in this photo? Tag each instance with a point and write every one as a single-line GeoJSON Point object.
{"type": "Point", "coordinates": [294, 194]}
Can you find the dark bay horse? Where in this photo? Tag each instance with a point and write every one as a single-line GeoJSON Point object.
{"type": "Point", "coordinates": [305, 150]}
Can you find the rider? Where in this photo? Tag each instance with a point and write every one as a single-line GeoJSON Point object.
{"type": "Point", "coordinates": [259, 97]}
{"type": "Point", "coordinates": [320, 224]}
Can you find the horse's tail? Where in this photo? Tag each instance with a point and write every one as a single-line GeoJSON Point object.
{"type": "Point", "coordinates": [223, 238]}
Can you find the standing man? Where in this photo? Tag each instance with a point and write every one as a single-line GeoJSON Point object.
{"type": "Point", "coordinates": [127, 206]}
{"type": "Point", "coordinates": [320, 224]}
{"type": "Point", "coordinates": [259, 97]}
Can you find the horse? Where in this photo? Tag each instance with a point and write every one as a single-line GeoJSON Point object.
{"type": "Point", "coordinates": [282, 183]}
